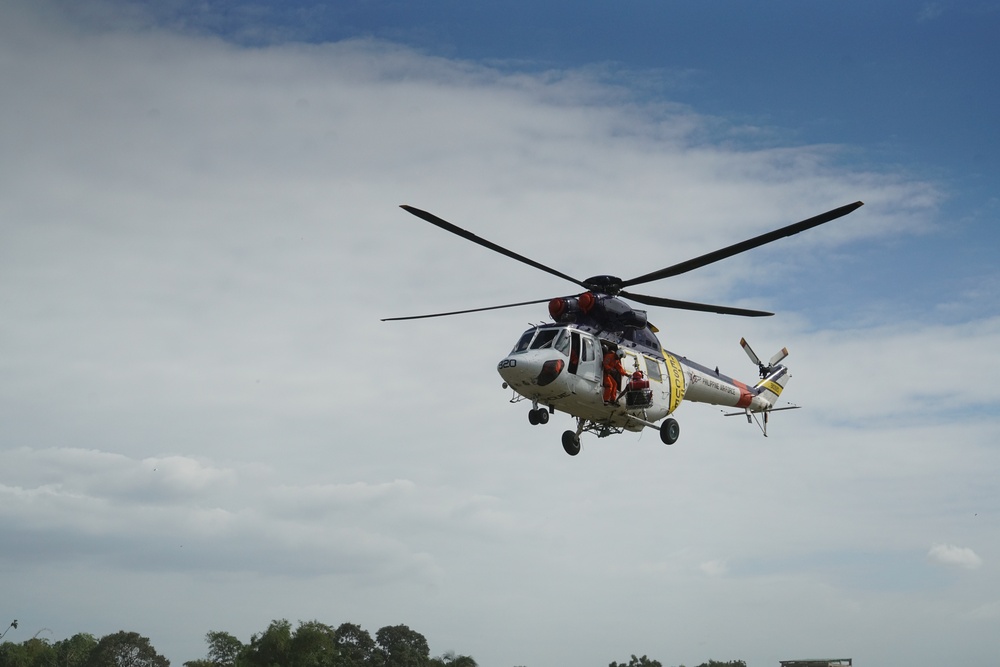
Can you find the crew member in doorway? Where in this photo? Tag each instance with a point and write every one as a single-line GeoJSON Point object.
{"type": "Point", "coordinates": [613, 372]}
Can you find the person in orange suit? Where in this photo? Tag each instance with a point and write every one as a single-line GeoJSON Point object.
{"type": "Point", "coordinates": [613, 372]}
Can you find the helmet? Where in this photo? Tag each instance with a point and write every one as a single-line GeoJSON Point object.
{"type": "Point", "coordinates": [620, 353]}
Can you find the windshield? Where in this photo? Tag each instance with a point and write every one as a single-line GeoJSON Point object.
{"type": "Point", "coordinates": [544, 339]}
{"type": "Point", "coordinates": [522, 342]}
{"type": "Point", "coordinates": [541, 339]}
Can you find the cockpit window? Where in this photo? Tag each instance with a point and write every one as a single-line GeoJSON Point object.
{"type": "Point", "coordinates": [538, 339]}
{"type": "Point", "coordinates": [522, 343]}
{"type": "Point", "coordinates": [544, 338]}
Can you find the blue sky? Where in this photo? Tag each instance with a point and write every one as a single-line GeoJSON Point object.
{"type": "Point", "coordinates": [900, 85]}
{"type": "Point", "coordinates": [910, 81]}
{"type": "Point", "coordinates": [199, 234]}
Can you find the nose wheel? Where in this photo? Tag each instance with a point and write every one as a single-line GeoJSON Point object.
{"type": "Point", "coordinates": [538, 416]}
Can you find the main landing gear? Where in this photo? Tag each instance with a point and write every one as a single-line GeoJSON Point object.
{"type": "Point", "coordinates": [670, 430]}
{"type": "Point", "coordinates": [571, 442]}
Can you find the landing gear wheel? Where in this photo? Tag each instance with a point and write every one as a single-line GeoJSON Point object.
{"type": "Point", "coordinates": [539, 416]}
{"type": "Point", "coordinates": [670, 430]}
{"type": "Point", "coordinates": [571, 443]}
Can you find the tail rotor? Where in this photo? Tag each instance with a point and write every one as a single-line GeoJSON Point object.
{"type": "Point", "coordinates": [765, 370]}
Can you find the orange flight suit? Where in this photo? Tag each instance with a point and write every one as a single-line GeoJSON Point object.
{"type": "Point", "coordinates": [613, 372]}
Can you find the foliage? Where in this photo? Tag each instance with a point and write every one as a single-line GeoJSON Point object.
{"type": "Point", "coordinates": [122, 649]}
{"type": "Point", "coordinates": [31, 653]}
{"type": "Point", "coordinates": [311, 644]}
{"type": "Point", "coordinates": [75, 651]}
{"type": "Point", "coordinates": [125, 649]}
{"type": "Point", "coordinates": [270, 648]}
{"type": "Point", "coordinates": [314, 644]}
{"type": "Point", "coordinates": [637, 662]}
{"type": "Point", "coordinates": [449, 659]}
{"type": "Point", "coordinates": [355, 646]}
{"type": "Point", "coordinates": [399, 646]}
{"type": "Point", "coordinates": [223, 649]}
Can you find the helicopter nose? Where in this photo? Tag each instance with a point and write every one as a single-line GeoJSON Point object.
{"type": "Point", "coordinates": [517, 370]}
{"type": "Point", "coordinates": [530, 369]}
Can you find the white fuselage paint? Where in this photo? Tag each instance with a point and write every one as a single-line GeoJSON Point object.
{"type": "Point", "coordinates": [577, 388]}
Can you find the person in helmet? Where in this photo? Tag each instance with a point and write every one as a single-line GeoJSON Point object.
{"type": "Point", "coordinates": [613, 372]}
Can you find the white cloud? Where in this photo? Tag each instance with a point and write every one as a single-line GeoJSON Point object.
{"type": "Point", "coordinates": [198, 241]}
{"type": "Point", "coordinates": [715, 568]}
{"type": "Point", "coordinates": [952, 556]}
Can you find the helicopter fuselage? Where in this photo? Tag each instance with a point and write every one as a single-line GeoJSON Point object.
{"type": "Point", "coordinates": [559, 367]}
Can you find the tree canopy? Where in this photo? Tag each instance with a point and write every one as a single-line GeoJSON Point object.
{"type": "Point", "coordinates": [309, 644]}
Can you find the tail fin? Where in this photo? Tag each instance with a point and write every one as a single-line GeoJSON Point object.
{"type": "Point", "coordinates": [773, 377]}
{"type": "Point", "coordinates": [771, 386]}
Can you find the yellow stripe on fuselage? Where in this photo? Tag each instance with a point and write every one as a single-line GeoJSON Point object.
{"type": "Point", "coordinates": [676, 375]}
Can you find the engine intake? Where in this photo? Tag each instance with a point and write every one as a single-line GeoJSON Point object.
{"type": "Point", "coordinates": [606, 311]}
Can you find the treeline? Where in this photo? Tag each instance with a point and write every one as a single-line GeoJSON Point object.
{"type": "Point", "coordinates": [311, 644]}
{"type": "Point", "coordinates": [646, 662]}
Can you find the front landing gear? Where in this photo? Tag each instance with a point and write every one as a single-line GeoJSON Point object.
{"type": "Point", "coordinates": [538, 416]}
{"type": "Point", "coordinates": [670, 430]}
{"type": "Point", "coordinates": [571, 442]}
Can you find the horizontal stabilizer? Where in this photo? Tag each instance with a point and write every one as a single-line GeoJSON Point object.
{"type": "Point", "coordinates": [744, 412]}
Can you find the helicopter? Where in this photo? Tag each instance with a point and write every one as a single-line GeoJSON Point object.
{"type": "Point", "coordinates": [598, 350]}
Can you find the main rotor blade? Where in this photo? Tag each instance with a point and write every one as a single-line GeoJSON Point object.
{"type": "Point", "coordinates": [469, 236]}
{"type": "Point", "coordinates": [749, 244]}
{"type": "Point", "coordinates": [462, 312]}
{"type": "Point", "coordinates": [692, 305]}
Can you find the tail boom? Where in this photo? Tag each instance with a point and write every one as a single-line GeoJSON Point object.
{"type": "Point", "coordinates": [705, 385]}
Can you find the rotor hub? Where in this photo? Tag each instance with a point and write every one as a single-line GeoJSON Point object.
{"type": "Point", "coordinates": [610, 285]}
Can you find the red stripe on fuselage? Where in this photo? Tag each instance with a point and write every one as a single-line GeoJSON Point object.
{"type": "Point", "coordinates": [745, 396]}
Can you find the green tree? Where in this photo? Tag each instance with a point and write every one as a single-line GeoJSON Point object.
{"type": "Point", "coordinates": [33, 652]}
{"type": "Point", "coordinates": [717, 663]}
{"type": "Point", "coordinates": [400, 646]}
{"type": "Point", "coordinates": [637, 662]}
{"type": "Point", "coordinates": [314, 644]}
{"type": "Point", "coordinates": [223, 649]}
{"type": "Point", "coordinates": [11, 655]}
{"type": "Point", "coordinates": [271, 648]}
{"type": "Point", "coordinates": [356, 646]}
{"type": "Point", "coordinates": [125, 649]}
{"type": "Point", "coordinates": [449, 659]}
{"type": "Point", "coordinates": [75, 651]}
